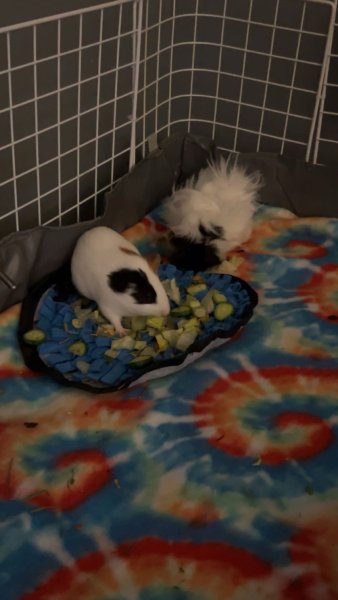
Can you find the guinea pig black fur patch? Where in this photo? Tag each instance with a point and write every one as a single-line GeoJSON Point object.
{"type": "Point", "coordinates": [215, 232]}
{"type": "Point", "coordinates": [193, 256]}
{"type": "Point", "coordinates": [133, 282]}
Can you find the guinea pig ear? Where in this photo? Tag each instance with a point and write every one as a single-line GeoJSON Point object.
{"type": "Point", "coordinates": [154, 261]}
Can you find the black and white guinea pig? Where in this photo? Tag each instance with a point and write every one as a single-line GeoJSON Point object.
{"type": "Point", "coordinates": [211, 215]}
{"type": "Point", "coordinates": [107, 268]}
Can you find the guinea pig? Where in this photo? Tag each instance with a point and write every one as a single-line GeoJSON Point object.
{"type": "Point", "coordinates": [107, 268]}
{"type": "Point", "coordinates": [211, 215]}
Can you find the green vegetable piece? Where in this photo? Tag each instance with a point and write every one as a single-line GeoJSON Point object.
{"type": "Point", "coordinates": [34, 337]}
{"type": "Point", "coordinates": [152, 332]}
{"type": "Point", "coordinates": [148, 351]}
{"type": "Point", "coordinates": [207, 303]}
{"type": "Point", "coordinates": [141, 361]}
{"type": "Point", "coordinates": [138, 323]}
{"type": "Point", "coordinates": [83, 366]}
{"type": "Point", "coordinates": [191, 324]}
{"type": "Point", "coordinates": [79, 348]}
{"type": "Point", "coordinates": [139, 345]}
{"type": "Point", "coordinates": [172, 290]}
{"type": "Point", "coordinates": [219, 298]}
{"type": "Point", "coordinates": [82, 313]}
{"type": "Point", "coordinates": [223, 311]}
{"type": "Point", "coordinates": [181, 311]}
{"type": "Point", "coordinates": [186, 340]}
{"type": "Point", "coordinates": [156, 322]}
{"type": "Point", "coordinates": [193, 302]}
{"type": "Point", "coordinates": [200, 312]}
{"type": "Point", "coordinates": [181, 323]}
{"type": "Point", "coordinates": [171, 336]}
{"type": "Point", "coordinates": [174, 293]}
{"type": "Point", "coordinates": [77, 323]}
{"type": "Point", "coordinates": [125, 343]}
{"type": "Point", "coordinates": [111, 354]}
{"type": "Point", "coordinates": [162, 343]}
{"type": "Point", "coordinates": [196, 288]}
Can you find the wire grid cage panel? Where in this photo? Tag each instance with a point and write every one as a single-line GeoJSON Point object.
{"type": "Point", "coordinates": [67, 100]}
{"type": "Point", "coordinates": [326, 141]}
{"type": "Point", "coordinates": [246, 72]}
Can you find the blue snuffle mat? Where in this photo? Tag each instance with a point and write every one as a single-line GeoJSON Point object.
{"type": "Point", "coordinates": [72, 342]}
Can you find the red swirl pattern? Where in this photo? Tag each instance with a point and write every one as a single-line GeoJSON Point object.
{"type": "Point", "coordinates": [321, 293]}
{"type": "Point", "coordinates": [212, 569]}
{"type": "Point", "coordinates": [218, 408]}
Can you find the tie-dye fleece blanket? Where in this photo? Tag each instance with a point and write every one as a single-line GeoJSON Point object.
{"type": "Point", "coordinates": [217, 483]}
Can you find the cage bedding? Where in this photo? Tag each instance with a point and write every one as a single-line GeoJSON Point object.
{"type": "Point", "coordinates": [216, 482]}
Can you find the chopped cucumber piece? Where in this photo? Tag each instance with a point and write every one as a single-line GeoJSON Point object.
{"type": "Point", "coordinates": [193, 302]}
{"type": "Point", "coordinates": [175, 295]}
{"type": "Point", "coordinates": [162, 343]}
{"type": "Point", "coordinates": [111, 354]}
{"type": "Point", "coordinates": [172, 290]}
{"type": "Point", "coordinates": [181, 311]}
{"type": "Point", "coordinates": [83, 366]}
{"type": "Point", "coordinates": [138, 323]}
{"type": "Point", "coordinates": [191, 324]}
{"type": "Point", "coordinates": [152, 332]}
{"type": "Point", "coordinates": [141, 361]}
{"type": "Point", "coordinates": [219, 298]}
{"type": "Point", "coordinates": [125, 343]}
{"type": "Point", "coordinates": [207, 303]}
{"type": "Point", "coordinates": [139, 345]}
{"type": "Point", "coordinates": [196, 288]}
{"type": "Point", "coordinates": [156, 322]}
{"type": "Point", "coordinates": [148, 351]}
{"type": "Point", "coordinates": [223, 311]}
{"type": "Point", "coordinates": [77, 323]}
{"type": "Point", "coordinates": [34, 337]}
{"type": "Point", "coordinates": [200, 312]}
{"type": "Point", "coordinates": [171, 336]}
{"type": "Point", "coordinates": [82, 313]}
{"type": "Point", "coordinates": [186, 340]}
{"type": "Point", "coordinates": [79, 348]}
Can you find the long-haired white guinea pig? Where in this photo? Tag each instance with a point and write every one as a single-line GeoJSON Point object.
{"type": "Point", "coordinates": [211, 215]}
{"type": "Point", "coordinates": [109, 269]}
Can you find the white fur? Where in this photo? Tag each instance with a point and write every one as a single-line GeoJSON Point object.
{"type": "Point", "coordinates": [98, 253]}
{"type": "Point", "coordinates": [221, 195]}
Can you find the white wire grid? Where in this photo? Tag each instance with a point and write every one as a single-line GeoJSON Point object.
{"type": "Point", "coordinates": [326, 139]}
{"type": "Point", "coordinates": [84, 94]}
{"type": "Point", "coordinates": [67, 109]}
{"type": "Point", "coordinates": [248, 73]}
